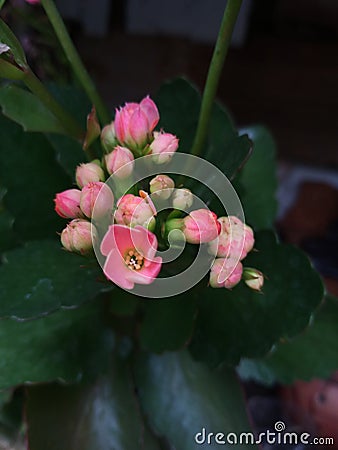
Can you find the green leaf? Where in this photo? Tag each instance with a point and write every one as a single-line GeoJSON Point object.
{"type": "Point", "coordinates": [73, 99]}
{"type": "Point", "coordinates": [256, 183]}
{"type": "Point", "coordinates": [123, 303]}
{"type": "Point", "coordinates": [100, 416]}
{"type": "Point", "coordinates": [32, 177]}
{"type": "Point", "coordinates": [8, 239]}
{"type": "Point", "coordinates": [27, 110]}
{"type": "Point", "coordinates": [243, 322]}
{"type": "Point", "coordinates": [68, 345]}
{"type": "Point", "coordinates": [179, 105]}
{"type": "Point", "coordinates": [41, 277]}
{"type": "Point", "coordinates": [313, 354]}
{"type": "Point", "coordinates": [10, 71]}
{"type": "Point", "coordinates": [168, 323]}
{"type": "Point", "coordinates": [8, 37]}
{"type": "Point", "coordinates": [181, 397]}
{"type": "Point", "coordinates": [2, 2]}
{"type": "Point", "coordinates": [226, 150]}
{"type": "Point", "coordinates": [69, 153]}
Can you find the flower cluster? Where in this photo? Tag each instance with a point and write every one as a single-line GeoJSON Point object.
{"type": "Point", "coordinates": [130, 242]}
{"type": "Point", "coordinates": [235, 241]}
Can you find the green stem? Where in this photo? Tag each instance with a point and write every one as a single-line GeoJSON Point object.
{"type": "Point", "coordinates": [66, 120]}
{"type": "Point", "coordinates": [75, 60]}
{"type": "Point", "coordinates": [214, 73]}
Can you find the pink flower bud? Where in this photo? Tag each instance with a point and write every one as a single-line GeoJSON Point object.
{"type": "Point", "coordinates": [33, 2]}
{"type": "Point", "coordinates": [132, 210]}
{"type": "Point", "coordinates": [135, 122]}
{"type": "Point", "coordinates": [93, 129]}
{"type": "Point", "coordinates": [163, 147]}
{"type": "Point", "coordinates": [162, 186]}
{"type": "Point", "coordinates": [67, 204]}
{"type": "Point", "coordinates": [253, 278]}
{"type": "Point", "coordinates": [99, 196]}
{"type": "Point", "coordinates": [120, 162]}
{"type": "Point", "coordinates": [89, 173]}
{"type": "Point", "coordinates": [201, 226]}
{"type": "Point", "coordinates": [108, 138]}
{"type": "Point", "coordinates": [236, 239]}
{"type": "Point", "coordinates": [182, 199]}
{"type": "Point", "coordinates": [78, 236]}
{"type": "Point", "coordinates": [225, 272]}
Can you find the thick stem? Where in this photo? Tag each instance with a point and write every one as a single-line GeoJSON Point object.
{"type": "Point", "coordinates": [214, 73]}
{"type": "Point", "coordinates": [75, 60]}
{"type": "Point", "coordinates": [71, 127]}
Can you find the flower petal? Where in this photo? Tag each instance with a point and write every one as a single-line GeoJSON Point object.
{"type": "Point", "coordinates": [117, 236]}
{"type": "Point", "coordinates": [116, 270]}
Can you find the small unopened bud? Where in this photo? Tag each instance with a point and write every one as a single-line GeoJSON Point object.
{"type": "Point", "coordinates": [253, 278]}
{"type": "Point", "coordinates": [225, 273]}
{"type": "Point", "coordinates": [89, 173]}
{"type": "Point", "coordinates": [133, 210]}
{"type": "Point", "coordinates": [108, 138]}
{"type": "Point", "coordinates": [162, 186]}
{"type": "Point", "coordinates": [96, 198]}
{"type": "Point", "coordinates": [201, 226]}
{"type": "Point", "coordinates": [67, 204]}
{"type": "Point", "coordinates": [236, 239]}
{"type": "Point", "coordinates": [93, 129]}
{"type": "Point", "coordinates": [163, 147]}
{"type": "Point", "coordinates": [78, 236]}
{"type": "Point", "coordinates": [182, 199]}
{"type": "Point", "coordinates": [120, 162]}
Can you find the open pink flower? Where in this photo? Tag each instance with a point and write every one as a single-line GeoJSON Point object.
{"type": "Point", "coordinates": [135, 122]}
{"type": "Point", "coordinates": [130, 256]}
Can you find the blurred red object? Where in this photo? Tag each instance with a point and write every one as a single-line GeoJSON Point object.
{"type": "Point", "coordinates": [313, 406]}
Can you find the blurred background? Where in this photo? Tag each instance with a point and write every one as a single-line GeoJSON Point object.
{"type": "Point", "coordinates": [281, 71]}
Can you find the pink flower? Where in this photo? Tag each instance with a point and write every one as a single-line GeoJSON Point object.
{"type": "Point", "coordinates": [67, 204]}
{"type": "Point", "coordinates": [236, 239]}
{"type": "Point", "coordinates": [33, 2]}
{"type": "Point", "coordinates": [130, 256]}
{"type": "Point", "coordinates": [162, 186]}
{"type": "Point", "coordinates": [99, 196]}
{"type": "Point", "coordinates": [118, 158]}
{"type": "Point", "coordinates": [163, 147]}
{"type": "Point", "coordinates": [78, 236]}
{"type": "Point", "coordinates": [135, 122]}
{"type": "Point", "coordinates": [132, 210]}
{"type": "Point", "coordinates": [225, 272]}
{"type": "Point", "coordinates": [201, 226]}
{"type": "Point", "coordinates": [90, 172]}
